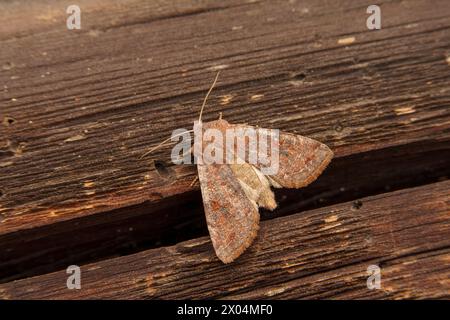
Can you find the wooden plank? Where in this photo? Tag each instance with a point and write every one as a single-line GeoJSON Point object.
{"type": "Point", "coordinates": [127, 80]}
{"type": "Point", "coordinates": [419, 276]}
{"type": "Point", "coordinates": [132, 229]}
{"type": "Point", "coordinates": [399, 230]}
{"type": "Point", "coordinates": [45, 16]}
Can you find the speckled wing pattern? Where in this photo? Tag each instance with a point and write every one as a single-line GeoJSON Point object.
{"type": "Point", "coordinates": [301, 161]}
{"type": "Point", "coordinates": [232, 218]}
{"type": "Point", "coordinates": [233, 193]}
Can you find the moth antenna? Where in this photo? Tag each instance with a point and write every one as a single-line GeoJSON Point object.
{"type": "Point", "coordinates": [207, 95]}
{"type": "Point", "coordinates": [199, 119]}
{"type": "Point", "coordinates": [162, 143]}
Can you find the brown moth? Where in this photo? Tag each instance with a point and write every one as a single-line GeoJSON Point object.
{"type": "Point", "coordinates": [232, 193]}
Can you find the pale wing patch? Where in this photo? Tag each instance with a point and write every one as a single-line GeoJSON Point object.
{"type": "Point", "coordinates": [255, 185]}
{"type": "Point", "coordinates": [273, 182]}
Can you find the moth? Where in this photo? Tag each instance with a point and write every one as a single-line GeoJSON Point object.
{"type": "Point", "coordinates": [233, 193]}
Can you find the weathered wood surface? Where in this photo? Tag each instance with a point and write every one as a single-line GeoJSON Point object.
{"type": "Point", "coordinates": [86, 104]}
{"type": "Point", "coordinates": [78, 108]}
{"type": "Point", "coordinates": [135, 228]}
{"type": "Point", "coordinates": [322, 253]}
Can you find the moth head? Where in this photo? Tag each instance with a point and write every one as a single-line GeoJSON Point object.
{"type": "Point", "coordinates": [220, 124]}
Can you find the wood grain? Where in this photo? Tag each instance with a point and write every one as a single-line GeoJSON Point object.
{"type": "Point", "coordinates": [318, 253]}
{"type": "Point", "coordinates": [418, 276]}
{"type": "Point", "coordinates": [145, 226]}
{"type": "Point", "coordinates": [80, 107]}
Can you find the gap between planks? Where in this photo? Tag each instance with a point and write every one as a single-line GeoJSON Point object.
{"type": "Point", "coordinates": [293, 256]}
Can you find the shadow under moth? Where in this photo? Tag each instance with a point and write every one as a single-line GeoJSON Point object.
{"type": "Point", "coordinates": [233, 192]}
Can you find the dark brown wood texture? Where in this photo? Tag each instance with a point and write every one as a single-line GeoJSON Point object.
{"type": "Point", "coordinates": [319, 253]}
{"type": "Point", "coordinates": [78, 108]}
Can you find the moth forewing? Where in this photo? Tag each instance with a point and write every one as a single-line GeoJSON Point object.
{"type": "Point", "coordinates": [268, 151]}
{"type": "Point", "coordinates": [232, 218]}
{"type": "Point", "coordinates": [213, 146]}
